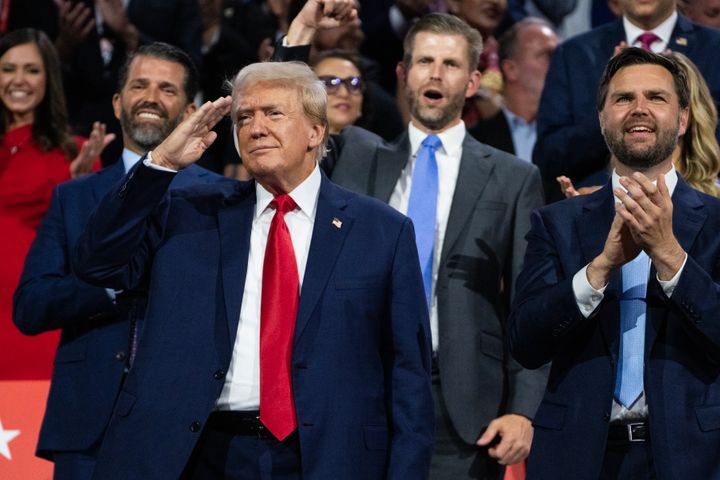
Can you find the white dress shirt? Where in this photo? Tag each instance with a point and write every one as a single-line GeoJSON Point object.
{"type": "Point", "coordinates": [588, 299]}
{"type": "Point", "coordinates": [242, 383]}
{"type": "Point", "coordinates": [663, 31]}
{"type": "Point", "coordinates": [448, 162]}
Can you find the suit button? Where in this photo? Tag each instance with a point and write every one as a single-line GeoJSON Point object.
{"type": "Point", "coordinates": [195, 427]}
{"type": "Point", "coordinates": [219, 374]}
{"type": "Point", "coordinates": [606, 417]}
{"type": "Point", "coordinates": [120, 356]}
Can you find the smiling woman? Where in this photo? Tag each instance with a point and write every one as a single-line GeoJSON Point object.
{"type": "Point", "coordinates": [37, 151]}
{"type": "Point", "coordinates": [348, 101]}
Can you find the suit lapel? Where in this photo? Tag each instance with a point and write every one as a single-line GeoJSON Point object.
{"type": "Point", "coordinates": [332, 226]}
{"type": "Point", "coordinates": [391, 160]}
{"type": "Point", "coordinates": [473, 175]}
{"type": "Point", "coordinates": [234, 225]}
{"type": "Point", "coordinates": [592, 227]}
{"type": "Point", "coordinates": [683, 36]}
{"type": "Point", "coordinates": [106, 178]}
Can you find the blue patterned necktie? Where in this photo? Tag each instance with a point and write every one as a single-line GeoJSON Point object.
{"type": "Point", "coordinates": [422, 206]}
{"type": "Point", "coordinates": [629, 381]}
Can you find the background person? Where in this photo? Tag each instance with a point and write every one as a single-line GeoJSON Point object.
{"type": "Point", "coordinates": [38, 151]}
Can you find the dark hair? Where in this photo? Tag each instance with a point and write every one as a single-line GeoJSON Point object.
{"type": "Point", "coordinates": [507, 43]}
{"type": "Point", "coordinates": [444, 24]}
{"type": "Point", "coordinates": [50, 126]}
{"type": "Point", "coordinates": [637, 56]}
{"type": "Point", "coordinates": [366, 108]}
{"type": "Point", "coordinates": [170, 53]}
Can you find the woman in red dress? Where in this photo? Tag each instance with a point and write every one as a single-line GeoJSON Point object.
{"type": "Point", "coordinates": [37, 151]}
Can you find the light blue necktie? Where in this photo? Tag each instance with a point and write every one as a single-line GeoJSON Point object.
{"type": "Point", "coordinates": [629, 382]}
{"type": "Point", "coordinates": [422, 206]}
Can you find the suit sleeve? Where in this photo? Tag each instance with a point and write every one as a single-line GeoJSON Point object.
{"type": "Point", "coordinates": [545, 315]}
{"type": "Point", "coordinates": [697, 298]}
{"type": "Point", "coordinates": [118, 243]}
{"type": "Point", "coordinates": [526, 386]}
{"type": "Point", "coordinates": [567, 143]}
{"type": "Point", "coordinates": [410, 396]}
{"type": "Point", "coordinates": [49, 295]}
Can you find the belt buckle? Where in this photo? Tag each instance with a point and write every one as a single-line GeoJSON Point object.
{"type": "Point", "coordinates": [260, 429]}
{"type": "Point", "coordinates": [631, 435]}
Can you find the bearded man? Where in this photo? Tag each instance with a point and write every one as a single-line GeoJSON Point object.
{"type": "Point", "coordinates": [100, 328]}
{"type": "Point", "coordinates": [620, 292]}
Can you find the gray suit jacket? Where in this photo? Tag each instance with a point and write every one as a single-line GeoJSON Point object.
{"type": "Point", "coordinates": [481, 258]}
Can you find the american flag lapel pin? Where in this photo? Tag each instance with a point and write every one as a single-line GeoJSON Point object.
{"type": "Point", "coordinates": [337, 223]}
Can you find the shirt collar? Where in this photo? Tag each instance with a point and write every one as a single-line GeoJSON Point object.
{"type": "Point", "coordinates": [129, 159]}
{"type": "Point", "coordinates": [664, 30]}
{"type": "Point", "coordinates": [305, 195]}
{"type": "Point", "coordinates": [671, 180]}
{"type": "Point", "coordinates": [451, 139]}
{"type": "Point", "coordinates": [515, 120]}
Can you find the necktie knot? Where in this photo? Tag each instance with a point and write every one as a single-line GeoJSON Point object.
{"type": "Point", "coordinates": [432, 142]}
{"type": "Point", "coordinates": [284, 203]}
{"type": "Point", "coordinates": [646, 39]}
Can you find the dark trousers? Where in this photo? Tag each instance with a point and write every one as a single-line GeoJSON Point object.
{"type": "Point", "coordinates": [228, 456]}
{"type": "Point", "coordinates": [452, 458]}
{"type": "Point", "coordinates": [628, 461]}
{"type": "Point", "coordinates": [74, 465]}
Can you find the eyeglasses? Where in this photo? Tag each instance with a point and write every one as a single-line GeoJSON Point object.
{"type": "Point", "coordinates": [354, 85]}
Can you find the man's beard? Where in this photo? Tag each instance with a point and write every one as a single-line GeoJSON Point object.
{"type": "Point", "coordinates": [434, 118]}
{"type": "Point", "coordinates": [647, 157]}
{"type": "Point", "coordinates": [148, 135]}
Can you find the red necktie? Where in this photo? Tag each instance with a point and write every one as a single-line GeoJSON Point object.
{"type": "Point", "coordinates": [646, 39]}
{"type": "Point", "coordinates": [278, 310]}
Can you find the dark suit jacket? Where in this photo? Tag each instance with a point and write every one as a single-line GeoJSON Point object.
{"type": "Point", "coordinates": [92, 354]}
{"type": "Point", "coordinates": [361, 353]}
{"type": "Point", "coordinates": [482, 254]}
{"type": "Point", "coordinates": [494, 131]}
{"type": "Point", "coordinates": [569, 141]}
{"type": "Point", "coordinates": [682, 344]}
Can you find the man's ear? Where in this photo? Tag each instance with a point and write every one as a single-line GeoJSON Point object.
{"type": "Point", "coordinates": [317, 133]}
{"type": "Point", "coordinates": [117, 105]}
{"type": "Point", "coordinates": [401, 71]}
{"type": "Point", "coordinates": [189, 109]}
{"type": "Point", "coordinates": [509, 69]}
{"type": "Point", "coordinates": [473, 83]}
{"type": "Point", "coordinates": [683, 121]}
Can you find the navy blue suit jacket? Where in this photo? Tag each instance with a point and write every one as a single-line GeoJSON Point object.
{"type": "Point", "coordinates": [361, 352]}
{"type": "Point", "coordinates": [92, 354]}
{"type": "Point", "coordinates": [569, 141]}
{"type": "Point", "coordinates": [682, 344]}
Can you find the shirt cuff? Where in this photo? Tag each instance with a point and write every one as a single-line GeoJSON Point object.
{"type": "Point", "coordinates": [669, 285]}
{"type": "Point", "coordinates": [148, 163]}
{"type": "Point", "coordinates": [586, 297]}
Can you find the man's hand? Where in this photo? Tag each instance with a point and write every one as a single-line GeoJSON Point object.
{"type": "Point", "coordinates": [516, 433]}
{"type": "Point", "coordinates": [186, 144]}
{"type": "Point", "coordinates": [647, 211]}
{"type": "Point", "coordinates": [318, 15]}
{"type": "Point", "coordinates": [90, 150]}
{"type": "Point", "coordinates": [620, 247]}
{"type": "Point", "coordinates": [115, 17]}
{"type": "Point", "coordinates": [75, 22]}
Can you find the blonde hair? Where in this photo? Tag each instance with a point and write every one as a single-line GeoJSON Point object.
{"type": "Point", "coordinates": [699, 160]}
{"type": "Point", "coordinates": [297, 75]}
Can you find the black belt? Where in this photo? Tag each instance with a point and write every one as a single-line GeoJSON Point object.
{"type": "Point", "coordinates": [238, 423]}
{"type": "Point", "coordinates": [628, 432]}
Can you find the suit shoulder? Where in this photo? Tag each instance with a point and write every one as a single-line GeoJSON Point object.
{"type": "Point", "coordinates": [504, 162]}
{"type": "Point", "coordinates": [202, 174]}
{"type": "Point", "coordinates": [221, 189]}
{"type": "Point", "coordinates": [360, 206]}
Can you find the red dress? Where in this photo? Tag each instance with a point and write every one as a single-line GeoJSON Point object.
{"type": "Point", "coordinates": [27, 178]}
